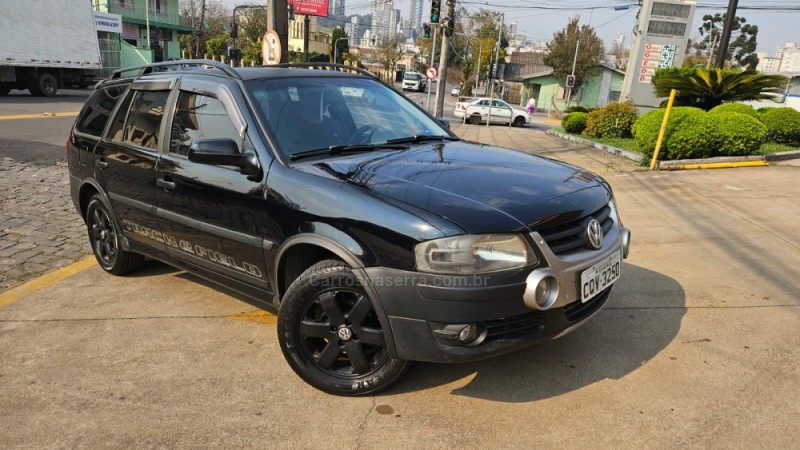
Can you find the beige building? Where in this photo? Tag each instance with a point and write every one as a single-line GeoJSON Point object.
{"type": "Point", "coordinates": [319, 37]}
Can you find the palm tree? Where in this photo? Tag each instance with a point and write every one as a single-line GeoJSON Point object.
{"type": "Point", "coordinates": [707, 88]}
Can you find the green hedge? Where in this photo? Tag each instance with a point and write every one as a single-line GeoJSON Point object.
{"type": "Point", "coordinates": [741, 134]}
{"type": "Point", "coordinates": [737, 108]}
{"type": "Point", "coordinates": [783, 125]}
{"type": "Point", "coordinates": [574, 123]}
{"type": "Point", "coordinates": [691, 133]}
{"type": "Point", "coordinates": [611, 121]}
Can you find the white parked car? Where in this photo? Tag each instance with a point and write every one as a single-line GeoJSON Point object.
{"type": "Point", "coordinates": [456, 91]}
{"type": "Point", "coordinates": [477, 111]}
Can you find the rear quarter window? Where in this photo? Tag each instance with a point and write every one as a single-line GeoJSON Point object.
{"type": "Point", "coordinates": [98, 110]}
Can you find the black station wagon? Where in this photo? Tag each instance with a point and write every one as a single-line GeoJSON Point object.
{"type": "Point", "coordinates": [378, 236]}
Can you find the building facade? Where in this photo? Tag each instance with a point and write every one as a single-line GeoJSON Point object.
{"type": "Point", "coordinates": [150, 31]}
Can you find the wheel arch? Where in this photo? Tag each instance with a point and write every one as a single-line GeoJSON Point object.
{"type": "Point", "coordinates": [300, 252]}
{"type": "Point", "coordinates": [85, 193]}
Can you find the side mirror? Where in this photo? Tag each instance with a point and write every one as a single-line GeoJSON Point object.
{"type": "Point", "coordinates": [445, 122]}
{"type": "Point", "coordinates": [223, 152]}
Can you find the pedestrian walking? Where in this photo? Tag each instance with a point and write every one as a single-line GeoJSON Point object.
{"type": "Point", "coordinates": [531, 106]}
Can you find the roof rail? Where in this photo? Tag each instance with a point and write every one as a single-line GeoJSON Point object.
{"type": "Point", "coordinates": [180, 64]}
{"type": "Point", "coordinates": [326, 66]}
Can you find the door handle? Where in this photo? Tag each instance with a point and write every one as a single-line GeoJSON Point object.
{"type": "Point", "coordinates": [167, 185]}
{"type": "Point", "coordinates": [101, 163]}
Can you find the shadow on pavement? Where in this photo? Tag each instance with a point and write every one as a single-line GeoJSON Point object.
{"type": "Point", "coordinates": [620, 338]}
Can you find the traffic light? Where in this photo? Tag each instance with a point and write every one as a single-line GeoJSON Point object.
{"type": "Point", "coordinates": [493, 71]}
{"type": "Point", "coordinates": [449, 23]}
{"type": "Point", "coordinates": [436, 8]}
{"type": "Point", "coordinates": [426, 31]}
{"type": "Point", "coordinates": [570, 81]}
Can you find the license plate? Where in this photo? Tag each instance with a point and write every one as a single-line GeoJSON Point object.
{"type": "Point", "coordinates": [600, 276]}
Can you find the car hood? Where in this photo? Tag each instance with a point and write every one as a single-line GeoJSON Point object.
{"type": "Point", "coordinates": [481, 189]}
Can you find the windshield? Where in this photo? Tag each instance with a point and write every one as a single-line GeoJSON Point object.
{"type": "Point", "coordinates": [306, 113]}
{"type": "Point", "coordinates": [411, 76]}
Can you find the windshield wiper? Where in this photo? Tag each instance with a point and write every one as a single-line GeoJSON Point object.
{"type": "Point", "coordinates": [337, 149]}
{"type": "Point", "coordinates": [421, 137]}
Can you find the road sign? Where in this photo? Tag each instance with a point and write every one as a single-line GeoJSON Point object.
{"type": "Point", "coordinates": [432, 72]}
{"type": "Point", "coordinates": [271, 48]}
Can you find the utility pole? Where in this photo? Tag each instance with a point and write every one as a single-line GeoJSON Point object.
{"type": "Point", "coordinates": [440, 91]}
{"type": "Point", "coordinates": [730, 16]}
{"type": "Point", "coordinates": [496, 67]}
{"type": "Point", "coordinates": [278, 20]}
{"type": "Point", "coordinates": [435, 29]}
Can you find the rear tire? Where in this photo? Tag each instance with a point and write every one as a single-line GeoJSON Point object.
{"type": "Point", "coordinates": [104, 237]}
{"type": "Point", "coordinates": [475, 119]}
{"type": "Point", "coordinates": [331, 336]}
{"type": "Point", "coordinates": [44, 86]}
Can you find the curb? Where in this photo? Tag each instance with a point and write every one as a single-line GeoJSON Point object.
{"type": "Point", "coordinates": [613, 150]}
{"type": "Point", "coordinates": [719, 162]}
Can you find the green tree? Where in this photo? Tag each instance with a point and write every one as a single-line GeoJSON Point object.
{"type": "Point", "coordinates": [476, 39]}
{"type": "Point", "coordinates": [744, 40]}
{"type": "Point", "coordinates": [252, 26]}
{"type": "Point", "coordinates": [208, 21]}
{"type": "Point", "coordinates": [343, 44]}
{"type": "Point", "coordinates": [707, 88]}
{"type": "Point", "coordinates": [217, 46]}
{"type": "Point", "coordinates": [561, 51]}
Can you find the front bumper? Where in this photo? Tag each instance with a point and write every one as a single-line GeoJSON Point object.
{"type": "Point", "coordinates": [426, 311]}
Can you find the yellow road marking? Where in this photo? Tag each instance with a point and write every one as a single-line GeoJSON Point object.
{"type": "Point", "coordinates": [39, 116]}
{"type": "Point", "coordinates": [255, 316]}
{"type": "Point", "coordinates": [44, 281]}
{"type": "Point", "coordinates": [719, 165]}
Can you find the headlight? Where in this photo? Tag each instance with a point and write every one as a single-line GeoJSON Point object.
{"type": "Point", "coordinates": [471, 254]}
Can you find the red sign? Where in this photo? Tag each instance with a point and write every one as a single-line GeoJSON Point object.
{"type": "Point", "coordinates": [311, 7]}
{"type": "Point", "coordinates": [431, 72]}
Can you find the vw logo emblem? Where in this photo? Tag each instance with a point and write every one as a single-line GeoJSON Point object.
{"type": "Point", "coordinates": [594, 234]}
{"type": "Point", "coordinates": [345, 334]}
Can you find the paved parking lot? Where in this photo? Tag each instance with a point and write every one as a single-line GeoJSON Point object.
{"type": "Point", "coordinates": [698, 346]}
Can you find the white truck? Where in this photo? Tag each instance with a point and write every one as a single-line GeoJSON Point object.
{"type": "Point", "coordinates": [46, 45]}
{"type": "Point", "coordinates": [414, 81]}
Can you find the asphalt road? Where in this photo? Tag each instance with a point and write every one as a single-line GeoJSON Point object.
{"type": "Point", "coordinates": [697, 348]}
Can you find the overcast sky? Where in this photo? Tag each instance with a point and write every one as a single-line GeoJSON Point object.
{"type": "Point", "coordinates": [540, 21]}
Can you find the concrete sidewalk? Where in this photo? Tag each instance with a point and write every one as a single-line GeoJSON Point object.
{"type": "Point", "coordinates": [697, 347]}
{"type": "Point", "coordinates": [533, 139]}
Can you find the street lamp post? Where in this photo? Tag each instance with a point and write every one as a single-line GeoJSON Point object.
{"type": "Point", "coordinates": [336, 49]}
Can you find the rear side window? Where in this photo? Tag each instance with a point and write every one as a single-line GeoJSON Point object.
{"type": "Point", "coordinates": [97, 112]}
{"type": "Point", "coordinates": [144, 118]}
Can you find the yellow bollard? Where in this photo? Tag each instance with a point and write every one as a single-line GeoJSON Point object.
{"type": "Point", "coordinates": [663, 129]}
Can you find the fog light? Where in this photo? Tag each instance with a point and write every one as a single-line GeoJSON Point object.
{"type": "Point", "coordinates": [626, 242]}
{"type": "Point", "coordinates": [468, 333]}
{"type": "Point", "coordinates": [546, 292]}
{"type": "Point", "coordinates": [542, 290]}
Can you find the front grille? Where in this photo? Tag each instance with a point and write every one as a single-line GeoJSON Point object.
{"type": "Point", "coordinates": [572, 235]}
{"type": "Point", "coordinates": [577, 311]}
{"type": "Point", "coordinates": [515, 326]}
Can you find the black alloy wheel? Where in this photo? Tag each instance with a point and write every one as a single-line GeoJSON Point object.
{"type": "Point", "coordinates": [104, 238]}
{"type": "Point", "coordinates": [519, 121]}
{"type": "Point", "coordinates": [475, 119]}
{"type": "Point", "coordinates": [331, 335]}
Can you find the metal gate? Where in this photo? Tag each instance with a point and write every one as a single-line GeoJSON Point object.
{"type": "Point", "coordinates": [110, 53]}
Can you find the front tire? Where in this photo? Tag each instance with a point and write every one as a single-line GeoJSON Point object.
{"type": "Point", "coordinates": [331, 336]}
{"type": "Point", "coordinates": [519, 121]}
{"type": "Point", "coordinates": [104, 237]}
